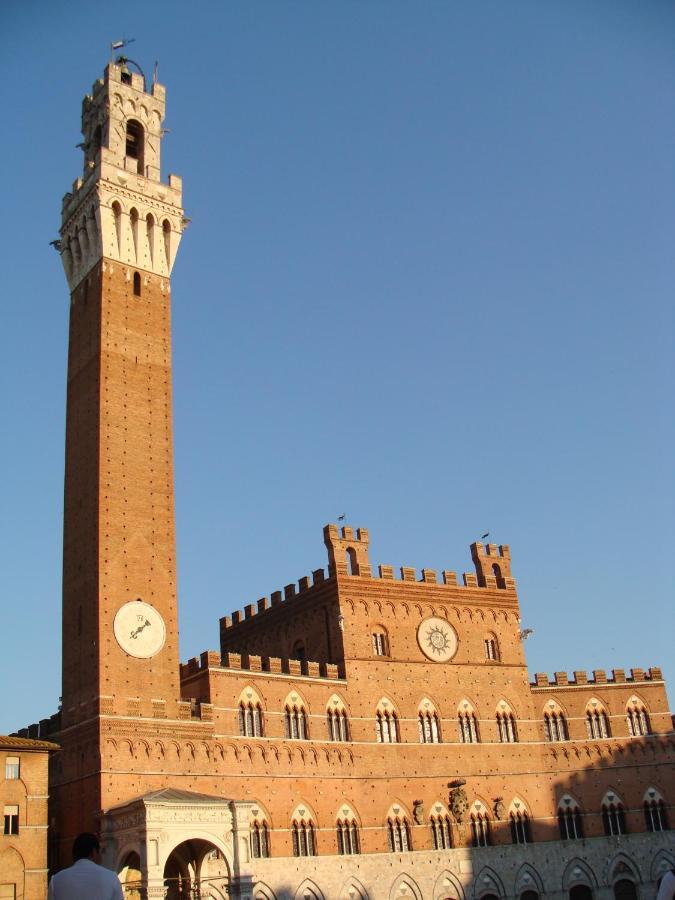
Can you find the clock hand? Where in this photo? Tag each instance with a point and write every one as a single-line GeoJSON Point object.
{"type": "Point", "coordinates": [134, 634]}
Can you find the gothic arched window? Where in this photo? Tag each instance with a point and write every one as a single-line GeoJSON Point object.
{"type": "Point", "coordinates": [260, 839]}
{"type": "Point", "coordinates": [250, 719]}
{"type": "Point", "coordinates": [386, 727]}
{"type": "Point", "coordinates": [555, 725]}
{"type": "Point", "coordinates": [441, 832]}
{"type": "Point", "coordinates": [467, 724]}
{"type": "Point", "coordinates": [506, 727]}
{"type": "Point", "coordinates": [597, 723]}
{"type": "Point", "coordinates": [303, 838]}
{"type": "Point", "coordinates": [295, 722]}
{"type": "Point", "coordinates": [613, 815]}
{"type": "Point", "coordinates": [338, 725]}
{"type": "Point", "coordinates": [480, 829]}
{"type": "Point", "coordinates": [347, 831]}
{"type": "Point", "coordinates": [656, 818]}
{"type": "Point", "coordinates": [637, 718]}
{"type": "Point", "coordinates": [569, 820]}
{"type": "Point", "coordinates": [398, 834]}
{"type": "Point", "coordinates": [428, 725]}
{"type": "Point", "coordinates": [520, 827]}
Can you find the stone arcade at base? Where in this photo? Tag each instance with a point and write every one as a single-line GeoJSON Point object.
{"type": "Point", "coordinates": [358, 735]}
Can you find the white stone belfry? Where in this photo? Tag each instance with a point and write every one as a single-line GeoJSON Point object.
{"type": "Point", "coordinates": [120, 210]}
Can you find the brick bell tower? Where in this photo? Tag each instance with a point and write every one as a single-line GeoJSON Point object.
{"type": "Point", "coordinates": [121, 226]}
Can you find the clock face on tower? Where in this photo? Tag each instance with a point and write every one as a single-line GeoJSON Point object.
{"type": "Point", "coordinates": [437, 639]}
{"type": "Point", "coordinates": [139, 629]}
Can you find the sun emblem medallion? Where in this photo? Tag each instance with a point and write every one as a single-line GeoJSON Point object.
{"type": "Point", "coordinates": [437, 639]}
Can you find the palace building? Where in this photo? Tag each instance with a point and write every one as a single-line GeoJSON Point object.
{"type": "Point", "coordinates": [362, 733]}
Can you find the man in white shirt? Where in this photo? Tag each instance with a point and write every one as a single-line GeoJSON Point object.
{"type": "Point", "coordinates": [667, 888]}
{"type": "Point", "coordinates": [85, 879]}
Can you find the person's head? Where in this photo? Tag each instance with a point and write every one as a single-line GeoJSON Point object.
{"type": "Point", "coordinates": [85, 846]}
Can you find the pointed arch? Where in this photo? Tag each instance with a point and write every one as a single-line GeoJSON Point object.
{"type": "Point", "coordinates": [250, 713]}
{"type": "Point", "coordinates": [448, 885]}
{"type": "Point", "coordinates": [386, 722]}
{"type": "Point", "coordinates": [337, 719]}
{"type": "Point", "coordinates": [570, 821]}
{"type": "Point", "coordinates": [428, 722]}
{"type": "Point", "coordinates": [263, 891]}
{"type": "Point", "coordinates": [622, 866]}
{"type": "Point", "coordinates": [467, 722]}
{"type": "Point", "coordinates": [352, 889]}
{"type": "Point", "coordinates": [528, 879]}
{"type": "Point", "coordinates": [656, 814]}
{"type": "Point", "coordinates": [662, 862]}
{"type": "Point", "coordinates": [309, 890]}
{"type": "Point", "coordinates": [347, 830]}
{"type": "Point", "coordinates": [488, 882]}
{"type": "Point", "coordinates": [555, 721]}
{"type": "Point", "coordinates": [578, 872]}
{"type": "Point", "coordinates": [405, 886]}
{"type": "Point", "coordinates": [295, 716]}
{"type": "Point", "coordinates": [507, 730]}
{"type": "Point", "coordinates": [597, 720]}
{"type": "Point", "coordinates": [519, 821]}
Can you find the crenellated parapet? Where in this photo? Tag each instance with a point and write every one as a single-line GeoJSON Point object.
{"type": "Point", "coordinates": [596, 677]}
{"type": "Point", "coordinates": [348, 557]}
{"type": "Point", "coordinates": [120, 210]}
{"type": "Point", "coordinates": [270, 665]}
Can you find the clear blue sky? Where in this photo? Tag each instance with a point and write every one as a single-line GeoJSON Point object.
{"type": "Point", "coordinates": [428, 283]}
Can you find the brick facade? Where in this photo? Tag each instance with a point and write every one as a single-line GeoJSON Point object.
{"type": "Point", "coordinates": [385, 726]}
{"type": "Point", "coordinates": [23, 798]}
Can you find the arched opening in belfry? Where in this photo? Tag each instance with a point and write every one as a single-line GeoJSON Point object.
{"type": "Point", "coordinates": [135, 144]}
{"type": "Point", "coordinates": [98, 139]}
{"type": "Point", "coordinates": [196, 868]}
{"type": "Point", "coordinates": [497, 572]}
{"type": "Point", "coordinates": [130, 876]}
{"type": "Point", "coordinates": [352, 564]}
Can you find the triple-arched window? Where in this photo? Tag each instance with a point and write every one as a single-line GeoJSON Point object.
{"type": "Point", "coordinates": [569, 819]}
{"type": "Point", "coordinates": [428, 725]}
{"type": "Point", "coordinates": [250, 718]}
{"type": "Point", "coordinates": [520, 827]}
{"type": "Point", "coordinates": [613, 815]}
{"type": "Point", "coordinates": [303, 837]}
{"type": "Point", "coordinates": [555, 724]}
{"type": "Point", "coordinates": [295, 722]}
{"type": "Point", "coordinates": [386, 726]}
{"type": "Point", "coordinates": [597, 723]}
{"type": "Point", "coordinates": [467, 724]}
{"type": "Point", "coordinates": [338, 724]}
{"type": "Point", "coordinates": [441, 831]}
{"type": "Point", "coordinates": [480, 826]}
{"type": "Point", "coordinates": [656, 818]}
{"type": "Point", "coordinates": [398, 834]}
{"type": "Point", "coordinates": [637, 718]}
{"type": "Point", "coordinates": [347, 830]}
{"type": "Point", "coordinates": [506, 726]}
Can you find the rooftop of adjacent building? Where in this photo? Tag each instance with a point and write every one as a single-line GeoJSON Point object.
{"type": "Point", "coordinates": [13, 742]}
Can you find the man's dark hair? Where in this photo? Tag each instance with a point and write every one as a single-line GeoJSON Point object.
{"type": "Point", "coordinates": [84, 845]}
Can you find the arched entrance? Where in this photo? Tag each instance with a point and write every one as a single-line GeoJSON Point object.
{"type": "Point", "coordinates": [130, 876]}
{"type": "Point", "coordinates": [581, 892]}
{"type": "Point", "coordinates": [625, 890]}
{"type": "Point", "coordinates": [196, 870]}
